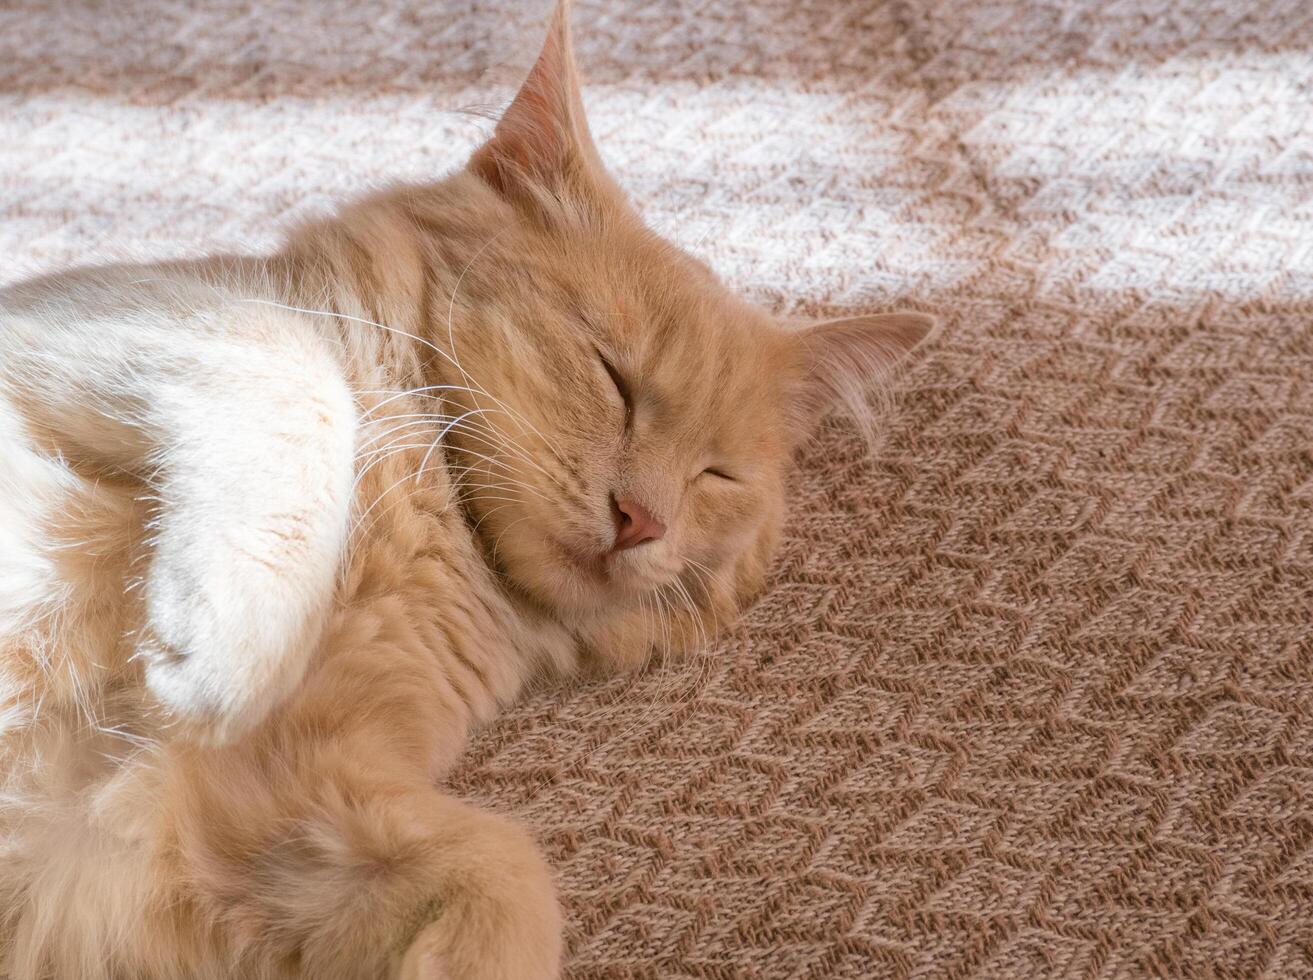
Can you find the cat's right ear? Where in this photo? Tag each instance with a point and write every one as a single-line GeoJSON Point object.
{"type": "Point", "coordinates": [542, 139]}
{"type": "Point", "coordinates": [842, 360]}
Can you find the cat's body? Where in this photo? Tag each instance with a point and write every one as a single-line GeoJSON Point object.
{"type": "Point", "coordinates": [275, 533]}
{"type": "Point", "coordinates": [117, 835]}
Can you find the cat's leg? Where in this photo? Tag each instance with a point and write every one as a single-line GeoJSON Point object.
{"type": "Point", "coordinates": [320, 842]}
{"type": "Point", "coordinates": [362, 878]}
{"type": "Point", "coordinates": [254, 494]}
{"type": "Point", "coordinates": [240, 426]}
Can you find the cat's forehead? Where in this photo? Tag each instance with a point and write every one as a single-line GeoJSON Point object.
{"type": "Point", "coordinates": [666, 298]}
{"type": "Point", "coordinates": [697, 331]}
{"type": "Point", "coordinates": [667, 321]}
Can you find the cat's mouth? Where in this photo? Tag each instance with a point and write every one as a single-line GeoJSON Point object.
{"type": "Point", "coordinates": [601, 568]}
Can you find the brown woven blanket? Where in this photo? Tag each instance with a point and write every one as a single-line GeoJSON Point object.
{"type": "Point", "coordinates": [1033, 693]}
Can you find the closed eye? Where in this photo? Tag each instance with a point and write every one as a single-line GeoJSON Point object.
{"type": "Point", "coordinates": [621, 386]}
{"type": "Point", "coordinates": [721, 474]}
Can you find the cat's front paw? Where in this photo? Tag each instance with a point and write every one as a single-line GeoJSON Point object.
{"type": "Point", "coordinates": [523, 957]}
{"type": "Point", "coordinates": [498, 919]}
{"type": "Point", "coordinates": [228, 632]}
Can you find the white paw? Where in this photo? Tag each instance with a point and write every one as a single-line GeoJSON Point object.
{"type": "Point", "coordinates": [229, 631]}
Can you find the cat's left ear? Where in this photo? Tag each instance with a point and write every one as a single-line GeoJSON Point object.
{"type": "Point", "coordinates": [543, 136]}
{"type": "Point", "coordinates": [842, 360]}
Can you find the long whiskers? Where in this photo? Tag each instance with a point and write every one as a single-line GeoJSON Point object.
{"type": "Point", "coordinates": [400, 442]}
{"type": "Point", "coordinates": [475, 387]}
{"type": "Point", "coordinates": [476, 425]}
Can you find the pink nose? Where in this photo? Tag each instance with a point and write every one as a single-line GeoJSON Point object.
{"type": "Point", "coordinates": [634, 524]}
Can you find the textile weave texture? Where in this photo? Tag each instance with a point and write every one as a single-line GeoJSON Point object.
{"type": "Point", "coordinates": [1032, 695]}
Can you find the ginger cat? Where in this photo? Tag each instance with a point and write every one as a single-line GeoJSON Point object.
{"type": "Point", "coordinates": [276, 532]}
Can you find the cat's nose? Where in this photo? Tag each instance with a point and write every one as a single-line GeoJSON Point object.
{"type": "Point", "coordinates": [634, 524]}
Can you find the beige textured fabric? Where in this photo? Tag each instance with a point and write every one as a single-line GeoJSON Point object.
{"type": "Point", "coordinates": [1033, 695]}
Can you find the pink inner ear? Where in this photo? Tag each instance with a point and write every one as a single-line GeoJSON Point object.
{"type": "Point", "coordinates": [544, 127]}
{"type": "Point", "coordinates": [846, 358]}
{"type": "Point", "coordinates": [534, 128]}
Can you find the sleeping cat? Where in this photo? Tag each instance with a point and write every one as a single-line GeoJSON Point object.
{"type": "Point", "coordinates": [276, 532]}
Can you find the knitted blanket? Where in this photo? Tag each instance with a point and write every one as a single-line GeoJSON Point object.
{"type": "Point", "coordinates": [1032, 694]}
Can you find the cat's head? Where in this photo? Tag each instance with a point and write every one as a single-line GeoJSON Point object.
{"type": "Point", "coordinates": [625, 445]}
